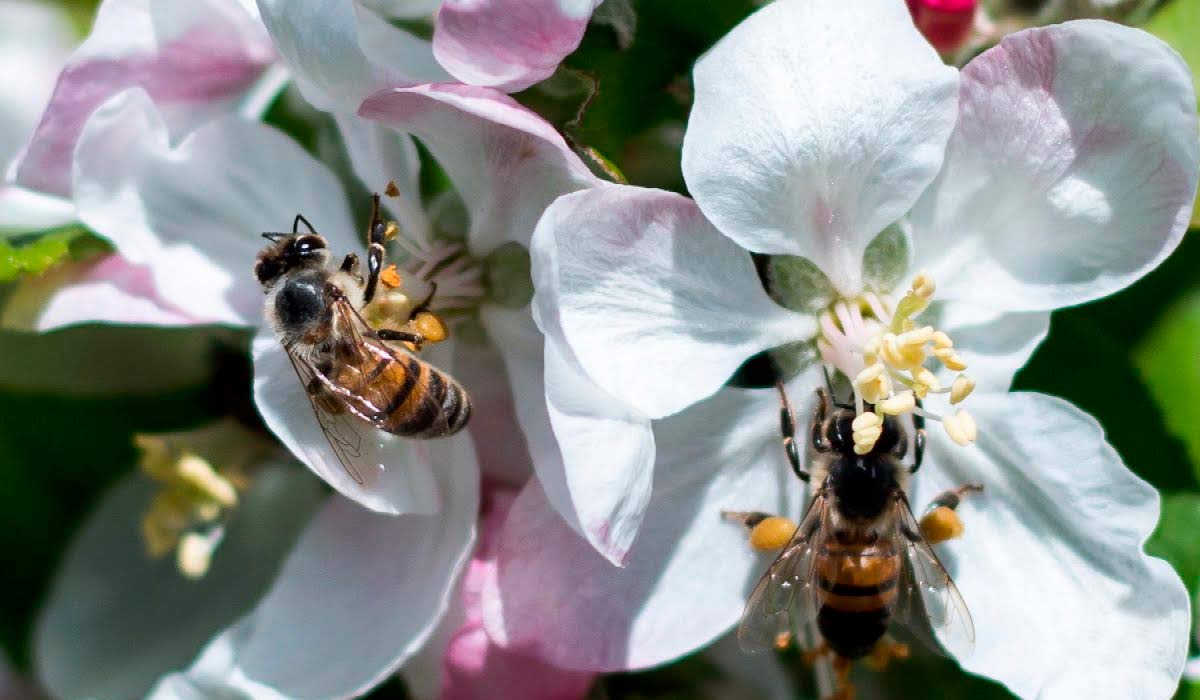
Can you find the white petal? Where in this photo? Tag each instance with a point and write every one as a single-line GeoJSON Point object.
{"type": "Point", "coordinates": [396, 473]}
{"type": "Point", "coordinates": [196, 59]}
{"type": "Point", "coordinates": [340, 51]}
{"type": "Point", "coordinates": [1066, 604]}
{"type": "Point", "coordinates": [597, 463]}
{"type": "Point", "coordinates": [405, 9]}
{"type": "Point", "coordinates": [379, 155]}
{"type": "Point", "coordinates": [995, 345]}
{"type": "Point", "coordinates": [816, 124]}
{"type": "Point", "coordinates": [116, 620]}
{"type": "Point", "coordinates": [508, 45]}
{"type": "Point", "coordinates": [1071, 172]}
{"type": "Point", "coordinates": [690, 570]}
{"type": "Point", "coordinates": [107, 290]}
{"type": "Point", "coordinates": [658, 307]}
{"type": "Point", "coordinates": [23, 210]}
{"type": "Point", "coordinates": [35, 40]}
{"type": "Point", "coordinates": [192, 213]}
{"type": "Point", "coordinates": [360, 593]}
{"type": "Point", "coordinates": [507, 162]}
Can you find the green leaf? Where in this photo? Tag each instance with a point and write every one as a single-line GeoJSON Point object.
{"type": "Point", "coordinates": [35, 252]}
{"type": "Point", "coordinates": [1175, 538]}
{"type": "Point", "coordinates": [1167, 360]}
{"type": "Point", "coordinates": [1176, 24]}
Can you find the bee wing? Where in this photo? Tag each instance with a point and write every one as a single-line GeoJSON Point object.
{"type": "Point", "coordinates": [338, 428]}
{"type": "Point", "coordinates": [926, 590]}
{"type": "Point", "coordinates": [787, 596]}
{"type": "Point", "coordinates": [373, 350]}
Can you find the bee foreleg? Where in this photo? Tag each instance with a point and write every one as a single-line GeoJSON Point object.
{"type": "Point", "coordinates": [787, 426]}
{"type": "Point", "coordinates": [767, 532]}
{"type": "Point", "coordinates": [350, 264]}
{"type": "Point", "coordinates": [376, 234]}
{"type": "Point", "coordinates": [941, 522]}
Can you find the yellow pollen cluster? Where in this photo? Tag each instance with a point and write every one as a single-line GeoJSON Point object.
{"type": "Point", "coordinates": [187, 512]}
{"type": "Point", "coordinates": [895, 375]}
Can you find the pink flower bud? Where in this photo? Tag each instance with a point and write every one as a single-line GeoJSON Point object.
{"type": "Point", "coordinates": [945, 23]}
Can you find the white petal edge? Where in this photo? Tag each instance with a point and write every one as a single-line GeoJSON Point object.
{"type": "Point", "coordinates": [658, 307]}
{"type": "Point", "coordinates": [1071, 173]}
{"type": "Point", "coordinates": [192, 212]}
{"type": "Point", "coordinates": [816, 124]}
{"type": "Point", "coordinates": [507, 163]}
{"type": "Point", "coordinates": [115, 620]}
{"type": "Point", "coordinates": [360, 588]}
{"type": "Point", "coordinates": [1065, 601]}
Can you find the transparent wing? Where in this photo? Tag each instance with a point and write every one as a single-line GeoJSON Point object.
{"type": "Point", "coordinates": [375, 363]}
{"type": "Point", "coordinates": [926, 590]}
{"type": "Point", "coordinates": [339, 427]}
{"type": "Point", "coordinates": [787, 596]}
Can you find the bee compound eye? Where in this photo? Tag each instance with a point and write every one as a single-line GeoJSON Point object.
{"type": "Point", "coordinates": [307, 245]}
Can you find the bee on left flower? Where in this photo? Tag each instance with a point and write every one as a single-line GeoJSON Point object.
{"type": "Point", "coordinates": [352, 371]}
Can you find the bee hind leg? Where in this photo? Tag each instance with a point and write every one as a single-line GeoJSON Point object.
{"type": "Point", "coordinates": [766, 532]}
{"type": "Point", "coordinates": [941, 522]}
{"type": "Point", "coordinates": [843, 689]}
{"type": "Point", "coordinates": [887, 650]}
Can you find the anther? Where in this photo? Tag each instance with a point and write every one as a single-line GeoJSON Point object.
{"type": "Point", "coordinates": [873, 383]}
{"type": "Point", "coordinates": [897, 404]}
{"type": "Point", "coordinates": [391, 190]}
{"type": "Point", "coordinates": [867, 427]}
{"type": "Point", "coordinates": [961, 428]}
{"type": "Point", "coordinates": [194, 555]}
{"type": "Point", "coordinates": [952, 360]}
{"type": "Point", "coordinates": [962, 388]}
{"type": "Point", "coordinates": [390, 277]}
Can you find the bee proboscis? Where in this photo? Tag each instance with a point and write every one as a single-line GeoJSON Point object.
{"type": "Point", "coordinates": [858, 559]}
{"type": "Point", "coordinates": [352, 373]}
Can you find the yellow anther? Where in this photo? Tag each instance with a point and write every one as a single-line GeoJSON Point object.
{"type": "Point", "coordinates": [898, 354]}
{"type": "Point", "coordinates": [927, 379]}
{"type": "Point", "coordinates": [941, 340]}
{"type": "Point", "coordinates": [772, 533]}
{"type": "Point", "coordinates": [390, 277]}
{"type": "Point", "coordinates": [199, 474]}
{"type": "Point", "coordinates": [951, 359]}
{"type": "Point", "coordinates": [923, 286]}
{"type": "Point", "coordinates": [873, 383]}
{"type": "Point", "coordinates": [961, 389]}
{"type": "Point", "coordinates": [941, 524]}
{"type": "Point", "coordinates": [194, 555]}
{"type": "Point", "coordinates": [915, 338]}
{"type": "Point", "coordinates": [390, 231]}
{"type": "Point", "coordinates": [866, 429]}
{"type": "Point", "coordinates": [902, 402]}
{"type": "Point", "coordinates": [961, 428]}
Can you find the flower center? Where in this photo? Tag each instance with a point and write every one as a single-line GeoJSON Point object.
{"type": "Point", "coordinates": [882, 350]}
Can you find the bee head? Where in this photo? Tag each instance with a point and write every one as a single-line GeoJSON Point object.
{"type": "Point", "coordinates": [288, 251]}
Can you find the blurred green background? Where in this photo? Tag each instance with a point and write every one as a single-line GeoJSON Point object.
{"type": "Point", "coordinates": [1133, 358]}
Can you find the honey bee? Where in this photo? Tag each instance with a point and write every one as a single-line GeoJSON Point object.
{"type": "Point", "coordinates": [858, 558]}
{"type": "Point", "coordinates": [351, 371]}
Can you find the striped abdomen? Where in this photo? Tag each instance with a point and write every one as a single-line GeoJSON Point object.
{"type": "Point", "coordinates": [859, 584]}
{"type": "Point", "coordinates": [415, 399]}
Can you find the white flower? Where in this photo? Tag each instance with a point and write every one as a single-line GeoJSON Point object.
{"type": "Point", "coordinates": [1056, 168]}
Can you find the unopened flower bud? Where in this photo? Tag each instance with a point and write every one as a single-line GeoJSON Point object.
{"type": "Point", "coordinates": [944, 23]}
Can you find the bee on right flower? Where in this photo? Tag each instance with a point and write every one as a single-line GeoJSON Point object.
{"type": "Point", "coordinates": [859, 558]}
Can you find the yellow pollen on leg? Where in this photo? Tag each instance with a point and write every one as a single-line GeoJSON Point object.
{"type": "Point", "coordinates": [772, 533]}
{"type": "Point", "coordinates": [941, 524]}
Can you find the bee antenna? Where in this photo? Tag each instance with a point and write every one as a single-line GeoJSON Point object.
{"type": "Point", "coordinates": [274, 236]}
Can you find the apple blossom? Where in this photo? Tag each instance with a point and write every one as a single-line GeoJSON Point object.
{"type": "Point", "coordinates": [877, 184]}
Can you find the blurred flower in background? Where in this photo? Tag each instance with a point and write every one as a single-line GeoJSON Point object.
{"type": "Point", "coordinates": [570, 537]}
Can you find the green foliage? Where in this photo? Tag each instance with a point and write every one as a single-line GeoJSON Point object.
{"type": "Point", "coordinates": [1169, 360]}
{"type": "Point", "coordinates": [1175, 538]}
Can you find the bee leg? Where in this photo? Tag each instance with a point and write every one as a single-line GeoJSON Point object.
{"type": "Point", "coordinates": [918, 440]}
{"type": "Point", "coordinates": [376, 233]}
{"type": "Point", "coordinates": [767, 532]}
{"type": "Point", "coordinates": [811, 656]}
{"type": "Point", "coordinates": [350, 264]}
{"type": "Point", "coordinates": [941, 522]}
{"type": "Point", "coordinates": [787, 425]}
{"type": "Point", "coordinates": [424, 305]}
{"type": "Point", "coordinates": [886, 650]}
{"type": "Point", "coordinates": [401, 336]}
{"type": "Point", "coordinates": [843, 689]}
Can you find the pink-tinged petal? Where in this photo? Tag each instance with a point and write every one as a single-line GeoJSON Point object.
{"type": "Point", "coordinates": [396, 475]}
{"type": "Point", "coordinates": [508, 45]}
{"type": "Point", "coordinates": [107, 290]}
{"type": "Point", "coordinates": [473, 666]}
{"type": "Point", "coordinates": [340, 51]}
{"type": "Point", "coordinates": [1071, 172]}
{"type": "Point", "coordinates": [690, 570]}
{"type": "Point", "coordinates": [1051, 562]}
{"type": "Point", "coordinates": [116, 620]}
{"type": "Point", "coordinates": [657, 306]}
{"type": "Point", "coordinates": [817, 123]}
{"type": "Point", "coordinates": [359, 594]}
{"type": "Point", "coordinates": [192, 212]}
{"type": "Point", "coordinates": [507, 163]}
{"type": "Point", "coordinates": [35, 40]}
{"type": "Point", "coordinates": [195, 59]}
{"type": "Point", "coordinates": [593, 455]}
